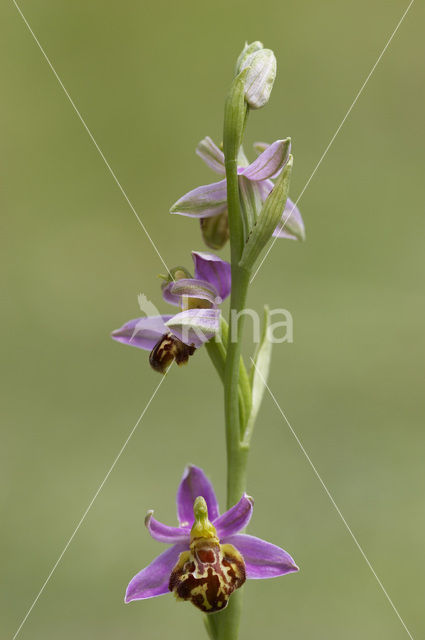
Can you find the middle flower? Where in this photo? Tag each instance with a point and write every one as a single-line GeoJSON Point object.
{"type": "Point", "coordinates": [209, 202]}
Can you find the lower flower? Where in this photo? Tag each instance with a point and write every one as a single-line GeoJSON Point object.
{"type": "Point", "coordinates": [209, 559]}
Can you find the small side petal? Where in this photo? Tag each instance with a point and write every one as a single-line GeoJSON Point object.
{"type": "Point", "coordinates": [269, 163]}
{"type": "Point", "coordinates": [203, 202]}
{"type": "Point", "coordinates": [208, 151]}
{"type": "Point", "coordinates": [194, 288]}
{"type": "Point", "coordinates": [164, 533]}
{"type": "Point", "coordinates": [236, 518]}
{"type": "Point", "coordinates": [214, 270]}
{"type": "Point", "coordinates": [153, 580]}
{"type": "Point", "coordinates": [168, 296]}
{"type": "Point", "coordinates": [195, 326]}
{"type": "Point", "coordinates": [291, 225]}
{"type": "Point", "coordinates": [262, 559]}
{"type": "Point", "coordinates": [194, 483]}
{"type": "Point", "coordinates": [143, 333]}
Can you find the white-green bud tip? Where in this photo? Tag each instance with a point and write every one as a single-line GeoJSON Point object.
{"type": "Point", "coordinates": [248, 50]}
{"type": "Point", "coordinates": [260, 77]}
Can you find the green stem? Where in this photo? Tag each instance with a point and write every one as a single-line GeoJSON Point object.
{"type": "Point", "coordinates": [236, 455]}
{"type": "Point", "coordinates": [217, 354]}
{"type": "Point", "coordinates": [217, 351]}
{"type": "Point", "coordinates": [226, 624]}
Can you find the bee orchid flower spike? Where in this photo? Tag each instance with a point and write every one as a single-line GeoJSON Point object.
{"type": "Point", "coordinates": [209, 556]}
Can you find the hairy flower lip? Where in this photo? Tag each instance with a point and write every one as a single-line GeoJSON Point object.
{"type": "Point", "coordinates": [262, 559]}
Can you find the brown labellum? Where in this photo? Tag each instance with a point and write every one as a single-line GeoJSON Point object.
{"type": "Point", "coordinates": [167, 349]}
{"type": "Point", "coordinates": [208, 574]}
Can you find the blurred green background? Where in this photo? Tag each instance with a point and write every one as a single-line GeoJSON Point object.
{"type": "Point", "coordinates": [150, 80]}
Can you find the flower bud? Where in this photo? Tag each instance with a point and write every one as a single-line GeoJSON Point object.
{"type": "Point", "coordinates": [260, 78]}
{"type": "Point", "coordinates": [247, 51]}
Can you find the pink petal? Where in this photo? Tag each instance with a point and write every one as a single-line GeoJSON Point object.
{"type": "Point", "coordinates": [153, 580]}
{"type": "Point", "coordinates": [168, 296]}
{"type": "Point", "coordinates": [262, 559]}
{"type": "Point", "coordinates": [143, 333]}
{"type": "Point", "coordinates": [164, 533]}
{"type": "Point", "coordinates": [236, 518]}
{"type": "Point", "coordinates": [269, 163]}
{"type": "Point", "coordinates": [213, 269]}
{"type": "Point", "coordinates": [291, 225]}
{"type": "Point", "coordinates": [195, 326]}
{"type": "Point", "coordinates": [194, 288]}
{"type": "Point", "coordinates": [208, 151]}
{"type": "Point", "coordinates": [203, 202]}
{"type": "Point", "coordinates": [194, 483]}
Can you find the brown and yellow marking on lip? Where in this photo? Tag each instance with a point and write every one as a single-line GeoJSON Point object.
{"type": "Point", "coordinates": [208, 583]}
{"type": "Point", "coordinates": [167, 349]}
{"type": "Point", "coordinates": [209, 572]}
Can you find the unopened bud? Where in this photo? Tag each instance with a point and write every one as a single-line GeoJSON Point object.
{"type": "Point", "coordinates": [260, 77]}
{"type": "Point", "coordinates": [245, 53]}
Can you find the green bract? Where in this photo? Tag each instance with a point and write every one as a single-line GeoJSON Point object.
{"type": "Point", "coordinates": [259, 374]}
{"type": "Point", "coordinates": [234, 116]}
{"type": "Point", "coordinates": [268, 219]}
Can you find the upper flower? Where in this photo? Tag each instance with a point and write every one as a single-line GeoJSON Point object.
{"type": "Point", "coordinates": [175, 337]}
{"type": "Point", "coordinates": [209, 558]}
{"type": "Point", "coordinates": [209, 202]}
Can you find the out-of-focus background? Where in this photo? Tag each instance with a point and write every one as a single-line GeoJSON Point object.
{"type": "Point", "coordinates": [150, 80]}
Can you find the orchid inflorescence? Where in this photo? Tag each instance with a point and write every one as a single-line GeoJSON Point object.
{"type": "Point", "coordinates": [210, 558]}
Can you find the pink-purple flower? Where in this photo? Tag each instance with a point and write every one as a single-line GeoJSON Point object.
{"type": "Point", "coordinates": [209, 202]}
{"type": "Point", "coordinates": [209, 557]}
{"type": "Point", "coordinates": [175, 337]}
